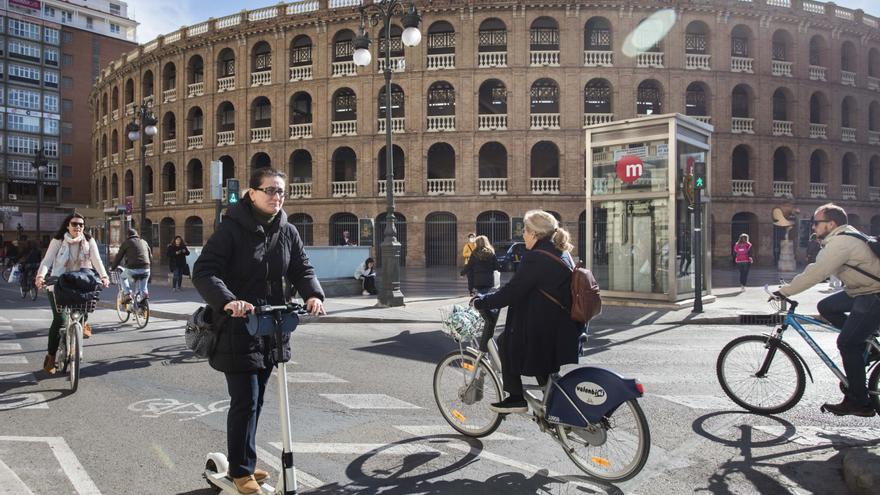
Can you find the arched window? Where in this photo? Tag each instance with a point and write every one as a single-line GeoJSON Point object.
{"type": "Point", "coordinates": [441, 38]}
{"type": "Point", "coordinates": [147, 87]}
{"type": "Point", "coordinates": [167, 231]}
{"type": "Point", "coordinates": [195, 71]}
{"type": "Point", "coordinates": [261, 113]}
{"type": "Point", "coordinates": [128, 183]}
{"type": "Point", "coordinates": [300, 173]}
{"type": "Point", "coordinates": [169, 126]}
{"type": "Point", "coordinates": [261, 57]}
{"type": "Point", "coordinates": [740, 169]}
{"type": "Point", "coordinates": [492, 39]}
{"type": "Point", "coordinates": [193, 231]}
{"type": "Point", "coordinates": [169, 77]}
{"type": "Point", "coordinates": [169, 178]}
{"type": "Point", "coordinates": [818, 55]}
{"type": "Point", "coordinates": [780, 166]}
{"type": "Point", "coordinates": [849, 169]}
{"type": "Point", "coordinates": [649, 98]}
{"type": "Point", "coordinates": [781, 46]}
{"type": "Point", "coordinates": [226, 63]}
{"type": "Point", "coordinates": [441, 239]}
{"type": "Point", "coordinates": [114, 187]}
{"type": "Point", "coordinates": [344, 165]}
{"type": "Point", "coordinates": [780, 105]}
{"type": "Point", "coordinates": [495, 225]}
{"type": "Point", "coordinates": [740, 42]}
{"type": "Point", "coordinates": [397, 103]}
{"type": "Point", "coordinates": [194, 174]}
{"type": "Point", "coordinates": [129, 91]}
{"type": "Point", "coordinates": [342, 47]}
{"type": "Point", "coordinates": [225, 117]}
{"type": "Point", "coordinates": [544, 96]}
{"type": "Point", "coordinates": [396, 43]}
{"type": "Point", "coordinates": [114, 142]}
{"type": "Point", "coordinates": [492, 98]}
{"type": "Point", "coordinates": [493, 165]}
{"type": "Point", "coordinates": [597, 35]}
{"type": "Point", "coordinates": [848, 115]}
{"type": "Point", "coordinates": [344, 105]}
{"type": "Point", "coordinates": [544, 34]}
{"type": "Point", "coordinates": [696, 38]}
{"type": "Point", "coordinates": [301, 51]}
{"type": "Point", "coordinates": [114, 99]}
{"type": "Point", "coordinates": [597, 99]}
{"type": "Point", "coordinates": [341, 223]}
{"type": "Point", "coordinates": [696, 100]}
{"type": "Point", "coordinates": [305, 226]}
{"type": "Point", "coordinates": [398, 164]}
{"type": "Point", "coordinates": [441, 99]}
{"type": "Point", "coordinates": [148, 179]}
{"type": "Point", "coordinates": [260, 160]}
{"type": "Point", "coordinates": [848, 58]}
{"type": "Point", "coordinates": [818, 167]}
{"type": "Point", "coordinates": [544, 160]}
{"type": "Point", "coordinates": [300, 108]}
{"type": "Point", "coordinates": [818, 108]}
{"type": "Point", "coordinates": [441, 161]}
{"type": "Point", "coordinates": [195, 122]}
{"type": "Point", "coordinates": [740, 102]}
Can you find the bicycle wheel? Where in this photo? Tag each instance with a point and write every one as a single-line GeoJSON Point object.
{"type": "Point", "coordinates": [74, 354]}
{"type": "Point", "coordinates": [465, 406]}
{"type": "Point", "coordinates": [34, 293]}
{"type": "Point", "coordinates": [121, 307]}
{"type": "Point", "coordinates": [874, 388]}
{"type": "Point", "coordinates": [615, 449]}
{"type": "Point", "coordinates": [778, 390]}
{"type": "Point", "coordinates": [142, 313]}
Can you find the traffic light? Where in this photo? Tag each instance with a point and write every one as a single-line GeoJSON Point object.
{"type": "Point", "coordinates": [700, 175]}
{"type": "Point", "coordinates": [232, 191]}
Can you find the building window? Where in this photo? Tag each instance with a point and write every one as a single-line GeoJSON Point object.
{"type": "Point", "coordinates": [50, 78]}
{"type": "Point", "coordinates": [66, 59]}
{"type": "Point", "coordinates": [24, 98]}
{"type": "Point", "coordinates": [67, 82]}
{"type": "Point", "coordinates": [50, 148]}
{"type": "Point", "coordinates": [50, 126]}
{"type": "Point", "coordinates": [22, 145]}
{"type": "Point", "coordinates": [114, 28]}
{"type": "Point", "coordinates": [90, 23]}
{"type": "Point", "coordinates": [66, 194]}
{"type": "Point", "coordinates": [50, 102]}
{"type": "Point", "coordinates": [24, 29]}
{"type": "Point", "coordinates": [66, 37]}
{"type": "Point", "coordinates": [66, 150]}
{"type": "Point", "coordinates": [50, 36]}
{"type": "Point", "coordinates": [23, 73]}
{"type": "Point", "coordinates": [24, 50]}
{"type": "Point", "coordinates": [23, 123]}
{"type": "Point", "coordinates": [51, 56]}
{"type": "Point", "coordinates": [115, 9]}
{"type": "Point", "coordinates": [66, 128]}
{"type": "Point", "coordinates": [66, 105]}
{"type": "Point", "coordinates": [66, 17]}
{"type": "Point", "coordinates": [48, 11]}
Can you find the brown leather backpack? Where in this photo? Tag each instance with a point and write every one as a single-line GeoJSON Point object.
{"type": "Point", "coordinates": [586, 303]}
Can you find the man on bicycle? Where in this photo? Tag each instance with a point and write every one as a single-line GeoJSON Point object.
{"type": "Point", "coordinates": [849, 258]}
{"type": "Point", "coordinates": [138, 256]}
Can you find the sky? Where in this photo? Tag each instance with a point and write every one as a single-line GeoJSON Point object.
{"type": "Point", "coordinates": [166, 16]}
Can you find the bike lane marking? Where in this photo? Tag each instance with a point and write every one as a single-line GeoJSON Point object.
{"type": "Point", "coordinates": [153, 408]}
{"type": "Point", "coordinates": [23, 401]}
{"type": "Point", "coordinates": [369, 401]}
{"type": "Point", "coordinates": [28, 377]}
{"type": "Point", "coordinates": [311, 377]}
{"type": "Point", "coordinates": [9, 346]}
{"type": "Point", "coordinates": [436, 430]}
{"type": "Point", "coordinates": [71, 466]}
{"type": "Point", "coordinates": [10, 481]}
{"type": "Point", "coordinates": [815, 436]}
{"type": "Point", "coordinates": [6, 359]}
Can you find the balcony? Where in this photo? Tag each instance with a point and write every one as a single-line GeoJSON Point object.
{"type": "Point", "coordinates": [195, 195]}
{"type": "Point", "coordinates": [817, 73]}
{"type": "Point", "coordinates": [398, 64]}
{"type": "Point", "coordinates": [544, 185]}
{"type": "Point", "coordinates": [491, 59]}
{"type": "Point", "coordinates": [169, 146]}
{"type": "Point", "coordinates": [873, 137]}
{"type": "Point", "coordinates": [740, 125]}
{"type": "Point", "coordinates": [169, 95]}
{"type": "Point", "coordinates": [742, 187]}
{"type": "Point", "coordinates": [441, 61]}
{"type": "Point", "coordinates": [195, 142]}
{"type": "Point", "coordinates": [398, 187]}
{"type": "Point", "coordinates": [495, 185]}
{"type": "Point", "coordinates": [114, 114]}
{"type": "Point", "coordinates": [818, 131]}
{"type": "Point", "coordinates": [783, 189]}
{"type": "Point", "coordinates": [344, 68]}
{"type": "Point", "coordinates": [300, 131]}
{"type": "Point", "coordinates": [225, 138]}
{"type": "Point", "coordinates": [148, 198]}
{"type": "Point", "coordinates": [706, 119]}
{"type": "Point", "coordinates": [102, 162]}
{"type": "Point", "coordinates": [597, 118]}
{"type": "Point", "coordinates": [742, 64]}
{"type": "Point", "coordinates": [849, 191]}
{"type": "Point", "coordinates": [874, 83]}
{"type": "Point", "coordinates": [874, 193]}
{"type": "Point", "coordinates": [195, 89]}
{"type": "Point", "coordinates": [262, 78]}
{"type": "Point", "coordinates": [650, 59]}
{"type": "Point", "coordinates": [149, 100]}
{"type": "Point", "coordinates": [300, 190]}
{"type": "Point", "coordinates": [114, 158]}
{"type": "Point", "coordinates": [598, 58]}
{"type": "Point", "coordinates": [342, 189]}
{"type": "Point", "coordinates": [225, 84]}
{"type": "Point", "coordinates": [344, 128]}
{"type": "Point", "coordinates": [148, 149]}
{"type": "Point", "coordinates": [261, 134]}
{"type": "Point", "coordinates": [544, 120]}
{"type": "Point", "coordinates": [782, 128]}
{"type": "Point", "coordinates": [697, 61]}
{"type": "Point", "coordinates": [301, 73]}
{"type": "Point", "coordinates": [129, 154]}
{"type": "Point", "coordinates": [438, 123]}
{"type": "Point", "coordinates": [438, 187]}
{"type": "Point", "coordinates": [130, 108]}
{"type": "Point", "coordinates": [397, 125]}
{"type": "Point", "coordinates": [848, 134]}
{"type": "Point", "coordinates": [169, 198]}
{"type": "Point", "coordinates": [818, 190]}
{"type": "Point", "coordinates": [544, 58]}
{"type": "Point", "coordinates": [848, 78]}
{"type": "Point", "coordinates": [492, 122]}
{"type": "Point", "coordinates": [103, 120]}
{"type": "Point", "coordinates": [781, 68]}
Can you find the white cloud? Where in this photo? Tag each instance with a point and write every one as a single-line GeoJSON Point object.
{"type": "Point", "coordinates": [160, 16]}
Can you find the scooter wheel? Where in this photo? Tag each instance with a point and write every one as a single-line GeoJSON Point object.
{"type": "Point", "coordinates": [210, 467]}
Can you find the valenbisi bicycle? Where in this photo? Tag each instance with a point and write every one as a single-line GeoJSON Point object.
{"type": "Point", "coordinates": [766, 375]}
{"type": "Point", "coordinates": [136, 303]}
{"type": "Point", "coordinates": [593, 413]}
{"type": "Point", "coordinates": [70, 350]}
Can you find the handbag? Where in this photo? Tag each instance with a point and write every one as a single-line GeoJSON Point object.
{"type": "Point", "coordinates": [15, 274]}
{"type": "Point", "coordinates": [199, 335]}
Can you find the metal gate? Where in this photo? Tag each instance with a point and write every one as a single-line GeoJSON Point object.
{"type": "Point", "coordinates": [496, 226]}
{"type": "Point", "coordinates": [305, 226]}
{"type": "Point", "coordinates": [441, 239]}
{"type": "Point", "coordinates": [341, 222]}
{"type": "Point", "coordinates": [379, 235]}
{"type": "Point", "coordinates": [166, 233]}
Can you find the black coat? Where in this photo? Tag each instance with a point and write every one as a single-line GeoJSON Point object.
{"type": "Point", "coordinates": [176, 256]}
{"type": "Point", "coordinates": [539, 336]}
{"type": "Point", "coordinates": [234, 264]}
{"type": "Point", "coordinates": [480, 268]}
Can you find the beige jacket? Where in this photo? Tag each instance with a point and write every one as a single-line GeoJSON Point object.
{"type": "Point", "coordinates": [839, 250]}
{"type": "Point", "coordinates": [51, 261]}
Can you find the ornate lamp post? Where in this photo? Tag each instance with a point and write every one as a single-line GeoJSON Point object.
{"type": "Point", "coordinates": [143, 118]}
{"type": "Point", "coordinates": [40, 164]}
{"type": "Point", "coordinates": [383, 11]}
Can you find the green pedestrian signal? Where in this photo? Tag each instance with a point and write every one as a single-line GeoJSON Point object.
{"type": "Point", "coordinates": [700, 175]}
{"type": "Point", "coordinates": [232, 191]}
{"type": "Point", "coordinates": [699, 182]}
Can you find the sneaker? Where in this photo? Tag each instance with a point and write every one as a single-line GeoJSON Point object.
{"type": "Point", "coordinates": [512, 404]}
{"type": "Point", "coordinates": [260, 475]}
{"type": "Point", "coordinates": [848, 408]}
{"type": "Point", "coordinates": [87, 331]}
{"type": "Point", "coordinates": [246, 485]}
{"type": "Point", "coordinates": [365, 293]}
{"type": "Point", "coordinates": [49, 364]}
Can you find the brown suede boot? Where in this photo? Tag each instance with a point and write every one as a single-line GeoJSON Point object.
{"type": "Point", "coordinates": [260, 475]}
{"type": "Point", "coordinates": [247, 485]}
{"type": "Point", "coordinates": [49, 364]}
{"type": "Point", "coordinates": [87, 331]}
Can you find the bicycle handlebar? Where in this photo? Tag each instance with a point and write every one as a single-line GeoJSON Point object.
{"type": "Point", "coordinates": [791, 302]}
{"type": "Point", "coordinates": [297, 308]}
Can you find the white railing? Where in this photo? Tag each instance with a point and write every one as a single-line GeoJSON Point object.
{"type": "Point", "coordinates": [342, 189]}
{"type": "Point", "coordinates": [740, 125]}
{"type": "Point", "coordinates": [261, 134]}
{"type": "Point", "coordinates": [129, 154]}
{"type": "Point", "coordinates": [169, 95]}
{"type": "Point", "coordinates": [263, 14]}
{"type": "Point", "coordinates": [398, 125]}
{"type": "Point", "coordinates": [262, 78]}
{"type": "Point", "coordinates": [114, 158]}
{"type": "Point", "coordinates": [195, 89]}
{"type": "Point", "coordinates": [697, 61]}
{"type": "Point", "coordinates": [102, 162]}
{"type": "Point", "coordinates": [151, 46]}
{"type": "Point", "coordinates": [818, 131]}
{"type": "Point", "coordinates": [874, 193]}
{"type": "Point", "coordinates": [104, 119]}
{"type": "Point", "coordinates": [438, 123]}
{"type": "Point", "coordinates": [706, 119]}
{"type": "Point", "coordinates": [497, 185]}
{"type": "Point", "coordinates": [741, 64]}
{"type": "Point", "coordinates": [169, 197]}
{"type": "Point", "coordinates": [225, 138]}
{"type": "Point", "coordinates": [813, 7]}
{"type": "Point", "coordinates": [398, 188]}
{"type": "Point", "coordinates": [228, 21]}
{"type": "Point", "coordinates": [303, 7]}
{"type": "Point", "coordinates": [169, 146]}
{"type": "Point", "coordinates": [598, 58]}
{"type": "Point", "coordinates": [650, 59]}
{"type": "Point", "coordinates": [195, 142]}
{"type": "Point", "coordinates": [779, 3]}
{"type": "Point", "coordinates": [398, 64]}
{"type": "Point", "coordinates": [344, 128]}
{"type": "Point", "coordinates": [849, 191]}
{"type": "Point", "coordinates": [225, 84]}
{"type": "Point", "coordinates": [742, 187]}
{"type": "Point", "coordinates": [149, 100]}
{"type": "Point", "coordinates": [172, 37]}
{"type": "Point", "coordinates": [148, 199]}
{"type": "Point", "coordinates": [544, 185]}
{"type": "Point", "coordinates": [848, 134]}
{"type": "Point", "coordinates": [844, 14]}
{"type": "Point", "coordinates": [337, 4]}
{"type": "Point", "coordinates": [492, 59]}
{"type": "Point", "coordinates": [197, 30]}
{"type": "Point", "coordinates": [148, 149]}
{"type": "Point", "coordinates": [781, 68]}
{"type": "Point", "coordinates": [195, 195]}
{"type": "Point", "coordinates": [130, 108]}
{"type": "Point", "coordinates": [847, 78]}
{"type": "Point", "coordinates": [302, 73]}
{"type": "Point", "coordinates": [597, 118]}
{"type": "Point", "coordinates": [114, 114]}
{"type": "Point", "coordinates": [300, 189]}
{"type": "Point", "coordinates": [344, 68]}
{"type": "Point", "coordinates": [441, 61]}
{"type": "Point", "coordinates": [544, 120]}
{"type": "Point", "coordinates": [818, 190]}
{"type": "Point", "coordinates": [782, 128]}
{"type": "Point", "coordinates": [873, 137]}
{"type": "Point", "coordinates": [783, 189]}
{"type": "Point", "coordinates": [437, 187]}
{"type": "Point", "coordinates": [817, 73]}
{"type": "Point", "coordinates": [874, 83]}
{"type": "Point", "coordinates": [492, 122]}
{"type": "Point", "coordinates": [300, 131]}
{"type": "Point", "coordinates": [538, 58]}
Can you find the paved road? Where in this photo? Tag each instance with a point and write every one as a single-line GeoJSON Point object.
{"type": "Point", "coordinates": [365, 419]}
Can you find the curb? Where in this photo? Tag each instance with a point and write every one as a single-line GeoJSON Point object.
{"type": "Point", "coordinates": [861, 470]}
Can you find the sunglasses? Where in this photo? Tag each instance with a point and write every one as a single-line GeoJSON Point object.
{"type": "Point", "coordinates": [77, 224]}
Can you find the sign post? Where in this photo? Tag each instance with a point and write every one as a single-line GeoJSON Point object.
{"type": "Point", "coordinates": [699, 184]}
{"type": "Point", "coordinates": [217, 190]}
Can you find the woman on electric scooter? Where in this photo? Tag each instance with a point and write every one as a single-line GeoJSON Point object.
{"type": "Point", "coordinates": [242, 265]}
{"type": "Point", "coordinates": [539, 335]}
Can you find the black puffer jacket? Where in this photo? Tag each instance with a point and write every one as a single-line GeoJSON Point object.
{"type": "Point", "coordinates": [234, 264]}
{"type": "Point", "coordinates": [479, 269]}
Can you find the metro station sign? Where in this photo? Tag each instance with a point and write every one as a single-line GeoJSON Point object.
{"type": "Point", "coordinates": [28, 4]}
{"type": "Point", "coordinates": [630, 168]}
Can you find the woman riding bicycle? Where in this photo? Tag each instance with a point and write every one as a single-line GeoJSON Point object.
{"type": "Point", "coordinates": [539, 335]}
{"type": "Point", "coordinates": [70, 250]}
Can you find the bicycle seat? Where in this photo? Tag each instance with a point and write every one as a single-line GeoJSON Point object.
{"type": "Point", "coordinates": [139, 276]}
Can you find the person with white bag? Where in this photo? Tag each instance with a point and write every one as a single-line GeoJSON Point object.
{"type": "Point", "coordinates": [481, 267]}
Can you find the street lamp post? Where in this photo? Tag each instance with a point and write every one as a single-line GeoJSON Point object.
{"type": "Point", "coordinates": [40, 165]}
{"type": "Point", "coordinates": [145, 119]}
{"type": "Point", "coordinates": [383, 11]}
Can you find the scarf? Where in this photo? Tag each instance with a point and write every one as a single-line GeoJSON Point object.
{"type": "Point", "coordinates": [84, 259]}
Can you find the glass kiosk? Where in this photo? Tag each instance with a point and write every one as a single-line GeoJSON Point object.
{"type": "Point", "coordinates": [640, 195]}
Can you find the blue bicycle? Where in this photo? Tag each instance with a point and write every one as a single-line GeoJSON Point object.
{"type": "Point", "coordinates": [765, 375]}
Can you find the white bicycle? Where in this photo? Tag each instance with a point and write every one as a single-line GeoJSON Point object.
{"type": "Point", "coordinates": [70, 350]}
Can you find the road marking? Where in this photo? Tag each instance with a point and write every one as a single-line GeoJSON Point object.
{"type": "Point", "coordinates": [13, 360]}
{"type": "Point", "coordinates": [18, 377]}
{"type": "Point", "coordinates": [359, 448]}
{"type": "Point", "coordinates": [6, 346]}
{"type": "Point", "coordinates": [815, 436]}
{"type": "Point", "coordinates": [439, 430]}
{"type": "Point", "coordinates": [302, 478]}
{"type": "Point", "coordinates": [306, 377]}
{"type": "Point", "coordinates": [153, 408]}
{"type": "Point", "coordinates": [4, 319]}
{"type": "Point", "coordinates": [23, 401]}
{"type": "Point", "coordinates": [369, 401]}
{"type": "Point", "coordinates": [708, 402]}
{"type": "Point", "coordinates": [75, 471]}
{"type": "Point", "coordinates": [643, 318]}
{"type": "Point", "coordinates": [29, 319]}
{"type": "Point", "coordinates": [10, 481]}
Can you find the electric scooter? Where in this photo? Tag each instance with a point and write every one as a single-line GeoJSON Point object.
{"type": "Point", "coordinates": [264, 321]}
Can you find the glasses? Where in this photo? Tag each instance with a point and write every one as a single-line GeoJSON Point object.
{"type": "Point", "coordinates": [272, 191]}
{"type": "Point", "coordinates": [77, 225]}
{"type": "Point", "coordinates": [817, 222]}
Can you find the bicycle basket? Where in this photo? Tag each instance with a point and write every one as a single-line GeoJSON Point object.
{"type": "Point", "coordinates": [462, 323]}
{"type": "Point", "coordinates": [114, 276]}
{"type": "Point", "coordinates": [83, 307]}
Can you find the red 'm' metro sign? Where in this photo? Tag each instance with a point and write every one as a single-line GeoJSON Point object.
{"type": "Point", "coordinates": [630, 168]}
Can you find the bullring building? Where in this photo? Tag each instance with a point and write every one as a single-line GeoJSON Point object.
{"type": "Point", "coordinates": [488, 115]}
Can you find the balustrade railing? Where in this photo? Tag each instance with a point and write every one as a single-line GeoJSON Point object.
{"type": "Point", "coordinates": [694, 61]}
{"type": "Point", "coordinates": [782, 128]}
{"type": "Point", "coordinates": [544, 185]}
{"type": "Point", "coordinates": [783, 189]}
{"type": "Point", "coordinates": [341, 189]}
{"type": "Point", "coordinates": [544, 120]}
{"type": "Point", "coordinates": [344, 68]}
{"type": "Point", "coordinates": [650, 59]}
{"type": "Point", "coordinates": [597, 118]}
{"type": "Point", "coordinates": [301, 73]}
{"type": "Point", "coordinates": [115, 158]}
{"type": "Point", "coordinates": [492, 59]}
{"type": "Point", "coordinates": [874, 83]}
{"type": "Point", "coordinates": [398, 125]}
{"type": "Point", "coordinates": [149, 100]}
{"type": "Point", "coordinates": [494, 185]}
{"type": "Point", "coordinates": [398, 64]}
{"type": "Point", "coordinates": [706, 119]}
{"type": "Point", "coordinates": [262, 78]}
{"type": "Point", "coordinates": [195, 89]}
{"type": "Point", "coordinates": [437, 187]}
{"type": "Point", "coordinates": [739, 125]}
{"type": "Point", "coordinates": [195, 195]}
{"type": "Point", "coordinates": [169, 146]}
{"type": "Point", "coordinates": [818, 131]}
{"type": "Point", "coordinates": [538, 58]}
{"type": "Point", "coordinates": [169, 95]}
{"type": "Point", "coordinates": [300, 131]}
{"type": "Point", "coordinates": [398, 188]}
{"type": "Point", "coordinates": [873, 137]}
{"type": "Point", "coordinates": [849, 191]}
{"type": "Point", "coordinates": [261, 134]}
{"type": "Point", "coordinates": [818, 190]}
{"type": "Point", "coordinates": [817, 73]}
{"type": "Point", "coordinates": [225, 84]}
{"type": "Point", "coordinates": [848, 134]}
{"type": "Point", "coordinates": [195, 142]}
{"type": "Point", "coordinates": [781, 68]}
{"type": "Point", "coordinates": [129, 154]}
{"type": "Point", "coordinates": [300, 189]}
{"type": "Point", "coordinates": [148, 198]}
{"type": "Point", "coordinates": [847, 78]}
{"type": "Point", "coordinates": [130, 108]}
{"type": "Point", "coordinates": [742, 64]}
{"type": "Point", "coordinates": [437, 123]}
{"type": "Point", "coordinates": [169, 197]}
{"type": "Point", "coordinates": [441, 61]}
{"type": "Point", "coordinates": [740, 187]}
{"type": "Point", "coordinates": [598, 58]}
{"type": "Point", "coordinates": [874, 193]}
{"type": "Point", "coordinates": [225, 138]}
{"type": "Point", "coordinates": [343, 128]}
{"type": "Point", "coordinates": [114, 114]}
{"type": "Point", "coordinates": [492, 122]}
{"type": "Point", "coordinates": [148, 149]}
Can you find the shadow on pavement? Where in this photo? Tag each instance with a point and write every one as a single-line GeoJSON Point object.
{"type": "Point", "coordinates": [428, 347]}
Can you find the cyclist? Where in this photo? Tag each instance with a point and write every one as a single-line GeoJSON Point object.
{"type": "Point", "coordinates": [850, 259]}
{"type": "Point", "coordinates": [137, 255]}
{"type": "Point", "coordinates": [30, 260]}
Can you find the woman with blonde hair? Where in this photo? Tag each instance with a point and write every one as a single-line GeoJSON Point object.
{"type": "Point", "coordinates": [539, 335]}
{"type": "Point", "coordinates": [743, 252]}
{"type": "Point", "coordinates": [481, 266]}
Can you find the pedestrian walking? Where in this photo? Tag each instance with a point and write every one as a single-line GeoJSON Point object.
{"type": "Point", "coordinates": [468, 247]}
{"type": "Point", "coordinates": [481, 266]}
{"type": "Point", "coordinates": [742, 250]}
{"type": "Point", "coordinates": [176, 252]}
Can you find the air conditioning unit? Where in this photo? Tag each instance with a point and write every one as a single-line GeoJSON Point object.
{"type": "Point", "coordinates": [13, 197]}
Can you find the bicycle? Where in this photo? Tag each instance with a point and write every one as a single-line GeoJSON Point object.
{"type": "Point", "coordinates": [70, 349]}
{"type": "Point", "coordinates": [754, 358]}
{"type": "Point", "coordinates": [591, 412]}
{"type": "Point", "coordinates": [26, 284]}
{"type": "Point", "coordinates": [138, 305]}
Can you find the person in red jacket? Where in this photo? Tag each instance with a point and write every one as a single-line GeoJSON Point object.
{"type": "Point", "coordinates": [743, 252]}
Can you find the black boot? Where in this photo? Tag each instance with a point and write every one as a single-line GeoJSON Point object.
{"type": "Point", "coordinates": [847, 407]}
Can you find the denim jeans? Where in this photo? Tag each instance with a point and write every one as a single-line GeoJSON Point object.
{"type": "Point", "coordinates": [246, 391]}
{"type": "Point", "coordinates": [141, 285]}
{"type": "Point", "coordinates": [176, 278]}
{"type": "Point", "coordinates": [743, 272]}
